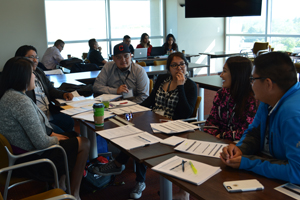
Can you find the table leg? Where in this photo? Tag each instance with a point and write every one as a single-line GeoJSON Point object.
{"type": "Point", "coordinates": [208, 63]}
{"type": "Point", "coordinates": [93, 144]}
{"type": "Point", "coordinates": [83, 129]}
{"type": "Point", "coordinates": [165, 189]}
{"type": "Point", "coordinates": [201, 106]}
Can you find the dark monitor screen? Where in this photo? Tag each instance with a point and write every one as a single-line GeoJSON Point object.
{"type": "Point", "coordinates": [222, 8]}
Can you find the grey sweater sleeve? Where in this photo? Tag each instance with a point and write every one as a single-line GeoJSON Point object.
{"type": "Point", "coordinates": [30, 132]}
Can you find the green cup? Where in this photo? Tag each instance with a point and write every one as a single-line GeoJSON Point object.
{"type": "Point", "coordinates": [98, 114]}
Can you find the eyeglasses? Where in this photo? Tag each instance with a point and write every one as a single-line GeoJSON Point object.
{"type": "Point", "coordinates": [120, 57]}
{"type": "Point", "coordinates": [33, 57]}
{"type": "Point", "coordinates": [252, 79]}
{"type": "Point", "coordinates": [175, 65]}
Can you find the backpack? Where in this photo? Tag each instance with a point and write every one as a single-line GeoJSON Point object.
{"type": "Point", "coordinates": [92, 182]}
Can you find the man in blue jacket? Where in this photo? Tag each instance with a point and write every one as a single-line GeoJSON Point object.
{"type": "Point", "coordinates": [275, 130]}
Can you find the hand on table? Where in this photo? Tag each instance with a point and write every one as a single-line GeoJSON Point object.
{"type": "Point", "coordinates": [122, 88]}
{"type": "Point", "coordinates": [231, 156]}
{"type": "Point", "coordinates": [59, 136]}
{"type": "Point", "coordinates": [68, 96]}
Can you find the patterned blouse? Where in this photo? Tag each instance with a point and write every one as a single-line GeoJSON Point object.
{"type": "Point", "coordinates": [222, 115]}
{"type": "Point", "coordinates": [166, 101]}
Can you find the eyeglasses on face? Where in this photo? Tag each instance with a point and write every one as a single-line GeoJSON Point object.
{"type": "Point", "coordinates": [252, 79]}
{"type": "Point", "coordinates": [175, 65]}
{"type": "Point", "coordinates": [33, 57]}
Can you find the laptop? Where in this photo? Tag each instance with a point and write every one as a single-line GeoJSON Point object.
{"type": "Point", "coordinates": [157, 51]}
{"type": "Point", "coordinates": [140, 53]}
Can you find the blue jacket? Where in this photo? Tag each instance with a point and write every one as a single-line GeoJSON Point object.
{"type": "Point", "coordinates": [284, 139]}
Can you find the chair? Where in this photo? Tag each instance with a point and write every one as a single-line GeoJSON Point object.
{"type": "Point", "coordinates": [141, 63]}
{"type": "Point", "coordinates": [150, 86]}
{"type": "Point", "coordinates": [194, 116]}
{"type": "Point", "coordinates": [8, 160]}
{"type": "Point", "coordinates": [160, 62]}
{"type": "Point", "coordinates": [258, 48]}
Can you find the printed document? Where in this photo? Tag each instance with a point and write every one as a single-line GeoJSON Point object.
{"type": "Point", "coordinates": [119, 132]}
{"type": "Point", "coordinates": [129, 109]}
{"type": "Point", "coordinates": [171, 127]}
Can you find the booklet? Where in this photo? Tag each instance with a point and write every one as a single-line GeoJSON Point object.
{"type": "Point", "coordinates": [119, 132]}
{"type": "Point", "coordinates": [188, 170]}
{"type": "Point", "coordinates": [171, 127]}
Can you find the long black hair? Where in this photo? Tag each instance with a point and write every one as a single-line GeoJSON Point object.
{"type": "Point", "coordinates": [174, 45]}
{"type": "Point", "coordinates": [16, 75]}
{"type": "Point", "coordinates": [240, 69]}
{"type": "Point", "coordinates": [22, 50]}
{"type": "Point", "coordinates": [142, 39]}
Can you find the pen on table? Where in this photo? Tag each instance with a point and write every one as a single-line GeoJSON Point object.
{"type": "Point", "coordinates": [193, 168]}
{"type": "Point", "coordinates": [183, 165]}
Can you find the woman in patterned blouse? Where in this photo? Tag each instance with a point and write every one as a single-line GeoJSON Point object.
{"type": "Point", "coordinates": [234, 105]}
{"type": "Point", "coordinates": [174, 95]}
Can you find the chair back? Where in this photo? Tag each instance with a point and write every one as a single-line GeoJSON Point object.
{"type": "Point", "coordinates": [84, 56]}
{"type": "Point", "coordinates": [259, 46]}
{"type": "Point", "coordinates": [195, 112]}
{"type": "Point", "coordinates": [141, 63]}
{"type": "Point", "coordinates": [150, 86]}
{"type": "Point", "coordinates": [160, 62]}
{"type": "Point", "coordinates": [4, 157]}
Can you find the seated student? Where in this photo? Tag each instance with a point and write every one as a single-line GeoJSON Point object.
{"type": "Point", "coordinates": [45, 92]}
{"type": "Point", "coordinates": [145, 43]}
{"type": "Point", "coordinates": [275, 128]}
{"type": "Point", "coordinates": [94, 54]}
{"type": "Point", "coordinates": [174, 95]}
{"type": "Point", "coordinates": [234, 105]}
{"type": "Point", "coordinates": [27, 128]}
{"type": "Point", "coordinates": [122, 76]}
{"type": "Point", "coordinates": [170, 44]}
{"type": "Point", "coordinates": [127, 40]}
{"type": "Point", "coordinates": [52, 56]}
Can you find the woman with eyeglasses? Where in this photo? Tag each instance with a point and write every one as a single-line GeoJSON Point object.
{"type": "Point", "coordinates": [234, 106]}
{"type": "Point", "coordinates": [27, 128]}
{"type": "Point", "coordinates": [145, 43]}
{"type": "Point", "coordinates": [174, 95]}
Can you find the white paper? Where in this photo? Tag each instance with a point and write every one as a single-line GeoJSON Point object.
{"type": "Point", "coordinates": [173, 167]}
{"type": "Point", "coordinates": [128, 94]}
{"type": "Point", "coordinates": [74, 111]}
{"type": "Point", "coordinates": [123, 103]}
{"type": "Point", "coordinates": [53, 71]}
{"type": "Point", "coordinates": [89, 116]}
{"type": "Point", "coordinates": [111, 97]}
{"type": "Point", "coordinates": [134, 109]}
{"type": "Point", "coordinates": [291, 191]}
{"type": "Point", "coordinates": [119, 132]}
{"type": "Point", "coordinates": [84, 103]}
{"type": "Point", "coordinates": [173, 140]}
{"type": "Point", "coordinates": [170, 127]}
{"type": "Point", "coordinates": [203, 148]}
{"type": "Point", "coordinates": [136, 140]}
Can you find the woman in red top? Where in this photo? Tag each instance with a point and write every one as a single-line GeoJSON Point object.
{"type": "Point", "coordinates": [145, 43]}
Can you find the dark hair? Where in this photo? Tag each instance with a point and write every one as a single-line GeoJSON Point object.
{"type": "Point", "coordinates": [16, 75]}
{"type": "Point", "coordinates": [59, 42]}
{"type": "Point", "coordinates": [278, 67]}
{"type": "Point", "coordinates": [240, 70]}
{"type": "Point", "coordinates": [92, 42]}
{"type": "Point", "coordinates": [176, 54]}
{"type": "Point", "coordinates": [142, 38]}
{"type": "Point", "coordinates": [174, 45]}
{"type": "Point", "coordinates": [22, 51]}
{"type": "Point", "coordinates": [126, 37]}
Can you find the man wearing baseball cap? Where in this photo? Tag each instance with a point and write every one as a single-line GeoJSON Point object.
{"type": "Point", "coordinates": [122, 76]}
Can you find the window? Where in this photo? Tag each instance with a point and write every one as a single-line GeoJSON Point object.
{"type": "Point", "coordinates": [77, 21]}
{"type": "Point", "coordinates": [279, 24]}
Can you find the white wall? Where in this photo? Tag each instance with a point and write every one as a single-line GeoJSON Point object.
{"type": "Point", "coordinates": [21, 22]}
{"type": "Point", "coordinates": [195, 35]}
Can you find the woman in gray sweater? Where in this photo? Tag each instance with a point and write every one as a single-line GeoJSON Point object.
{"type": "Point", "coordinates": [27, 128]}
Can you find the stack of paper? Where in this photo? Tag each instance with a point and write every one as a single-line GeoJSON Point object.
{"type": "Point", "coordinates": [76, 97]}
{"type": "Point", "coordinates": [188, 170]}
{"type": "Point", "coordinates": [123, 103]}
{"type": "Point", "coordinates": [111, 97]}
{"type": "Point", "coordinates": [173, 140]}
{"type": "Point", "coordinates": [203, 148]}
{"type": "Point", "coordinates": [53, 71]}
{"type": "Point", "coordinates": [129, 109]}
{"type": "Point", "coordinates": [89, 116]}
{"type": "Point", "coordinates": [171, 127]}
{"type": "Point", "coordinates": [119, 132]}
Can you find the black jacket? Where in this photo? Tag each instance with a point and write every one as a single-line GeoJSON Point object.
{"type": "Point", "coordinates": [187, 94]}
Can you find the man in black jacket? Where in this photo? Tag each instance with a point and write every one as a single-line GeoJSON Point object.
{"type": "Point", "coordinates": [45, 92]}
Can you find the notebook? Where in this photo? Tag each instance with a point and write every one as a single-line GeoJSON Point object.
{"type": "Point", "coordinates": [140, 53]}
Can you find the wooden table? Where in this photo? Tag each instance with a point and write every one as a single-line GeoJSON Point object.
{"type": "Point", "coordinates": [206, 82]}
{"type": "Point", "coordinates": [219, 54]}
{"type": "Point", "coordinates": [213, 188]}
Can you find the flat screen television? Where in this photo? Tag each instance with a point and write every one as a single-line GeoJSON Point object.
{"type": "Point", "coordinates": [222, 8]}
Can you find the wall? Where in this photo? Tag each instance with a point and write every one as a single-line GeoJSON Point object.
{"type": "Point", "coordinates": [21, 22]}
{"type": "Point", "coordinates": [195, 35]}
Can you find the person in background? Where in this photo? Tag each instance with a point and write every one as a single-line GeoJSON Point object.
{"type": "Point", "coordinates": [274, 131]}
{"type": "Point", "coordinates": [145, 43]}
{"type": "Point", "coordinates": [44, 92]}
{"type": "Point", "coordinates": [234, 106]}
{"type": "Point", "coordinates": [127, 40]}
{"type": "Point", "coordinates": [27, 128]}
{"type": "Point", "coordinates": [123, 77]}
{"type": "Point", "coordinates": [170, 44]}
{"type": "Point", "coordinates": [174, 95]}
{"type": "Point", "coordinates": [52, 56]}
{"type": "Point", "coordinates": [94, 54]}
